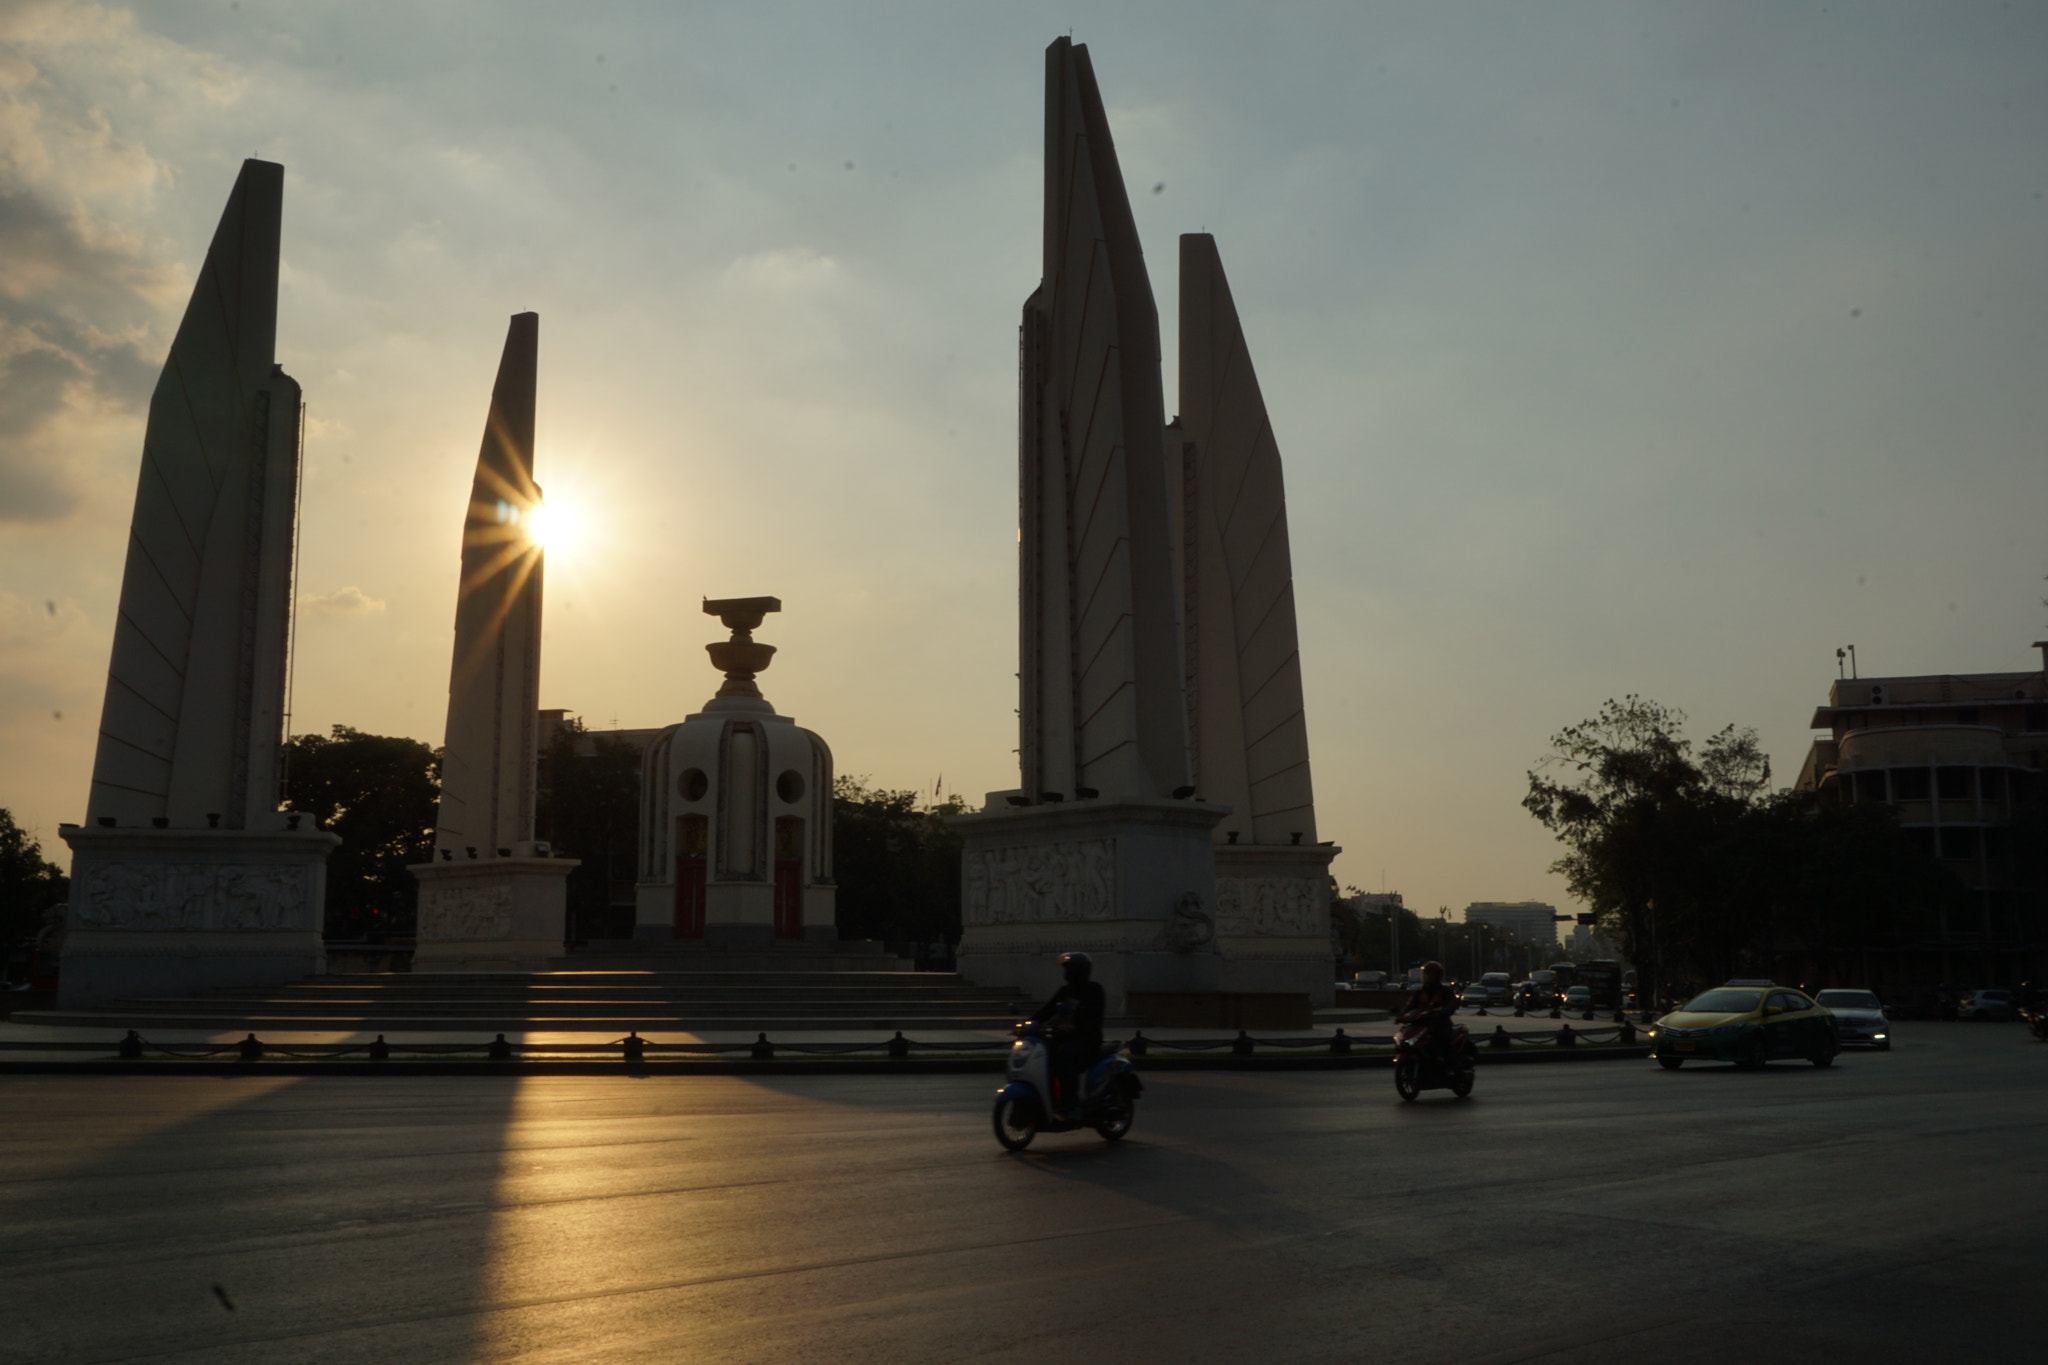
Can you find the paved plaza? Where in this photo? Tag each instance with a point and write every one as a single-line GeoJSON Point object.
{"type": "Point", "coordinates": [1887, 1209]}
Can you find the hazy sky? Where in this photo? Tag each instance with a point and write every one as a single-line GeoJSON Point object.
{"type": "Point", "coordinates": [1610, 348]}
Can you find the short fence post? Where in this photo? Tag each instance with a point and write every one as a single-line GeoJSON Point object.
{"type": "Point", "coordinates": [635, 1048]}
{"type": "Point", "coordinates": [131, 1046]}
{"type": "Point", "coordinates": [499, 1050]}
{"type": "Point", "coordinates": [899, 1046]}
{"type": "Point", "coordinates": [762, 1050]}
{"type": "Point", "coordinates": [1242, 1045]}
{"type": "Point", "coordinates": [1340, 1045]}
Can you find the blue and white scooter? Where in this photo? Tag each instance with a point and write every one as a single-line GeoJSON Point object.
{"type": "Point", "coordinates": [1109, 1092]}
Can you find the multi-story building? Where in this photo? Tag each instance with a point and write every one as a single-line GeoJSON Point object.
{"type": "Point", "coordinates": [1955, 754]}
{"type": "Point", "coordinates": [1530, 922]}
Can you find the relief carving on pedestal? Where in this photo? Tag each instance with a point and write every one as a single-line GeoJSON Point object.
{"type": "Point", "coordinates": [1189, 925]}
{"type": "Point", "coordinates": [1248, 906]}
{"type": "Point", "coordinates": [1041, 883]}
{"type": "Point", "coordinates": [185, 896]}
{"type": "Point", "coordinates": [465, 912]}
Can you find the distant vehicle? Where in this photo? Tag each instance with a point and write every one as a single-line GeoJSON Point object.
{"type": "Point", "coordinates": [1859, 1018]}
{"type": "Point", "coordinates": [1749, 1023]}
{"type": "Point", "coordinates": [1562, 975]}
{"type": "Point", "coordinates": [1604, 979]}
{"type": "Point", "coordinates": [1499, 986]}
{"type": "Point", "coordinates": [1475, 997]}
{"type": "Point", "coordinates": [1535, 995]}
{"type": "Point", "coordinates": [1578, 998]}
{"type": "Point", "coordinates": [1994, 1006]}
{"type": "Point", "coordinates": [1369, 981]}
{"type": "Point", "coordinates": [1545, 978]}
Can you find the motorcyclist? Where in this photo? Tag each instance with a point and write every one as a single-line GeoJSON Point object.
{"type": "Point", "coordinates": [1075, 1013]}
{"type": "Point", "coordinates": [1433, 1003]}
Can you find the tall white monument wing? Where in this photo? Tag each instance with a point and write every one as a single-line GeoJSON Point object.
{"type": "Point", "coordinates": [1243, 659]}
{"type": "Point", "coordinates": [488, 765]}
{"type": "Point", "coordinates": [1100, 686]}
{"type": "Point", "coordinates": [194, 706]}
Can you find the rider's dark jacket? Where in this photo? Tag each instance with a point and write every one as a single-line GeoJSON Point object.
{"type": "Point", "coordinates": [1085, 1019]}
{"type": "Point", "coordinates": [1445, 1002]}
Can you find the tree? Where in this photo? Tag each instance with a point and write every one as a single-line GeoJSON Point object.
{"type": "Point", "coordinates": [589, 809]}
{"type": "Point", "coordinates": [378, 792]}
{"type": "Point", "coordinates": [1698, 870]}
{"type": "Point", "coordinates": [897, 864]}
{"type": "Point", "coordinates": [29, 884]}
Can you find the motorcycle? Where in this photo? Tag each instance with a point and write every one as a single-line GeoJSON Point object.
{"type": "Point", "coordinates": [2037, 1022]}
{"type": "Point", "coordinates": [1417, 1067]}
{"type": "Point", "coordinates": [1109, 1093]}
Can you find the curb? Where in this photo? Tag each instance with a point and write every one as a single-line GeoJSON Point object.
{"type": "Point", "coordinates": [795, 1066]}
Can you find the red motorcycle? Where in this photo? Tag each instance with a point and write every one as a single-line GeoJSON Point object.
{"type": "Point", "coordinates": [1419, 1067]}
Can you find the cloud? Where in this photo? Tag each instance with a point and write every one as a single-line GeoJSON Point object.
{"type": "Point", "coordinates": [84, 302]}
{"type": "Point", "coordinates": [784, 272]}
{"type": "Point", "coordinates": [349, 601]}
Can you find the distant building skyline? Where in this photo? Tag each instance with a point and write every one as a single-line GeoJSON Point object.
{"type": "Point", "coordinates": [1531, 922]}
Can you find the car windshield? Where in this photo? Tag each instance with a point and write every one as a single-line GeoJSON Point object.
{"type": "Point", "coordinates": [1848, 1000]}
{"type": "Point", "coordinates": [1724, 1002]}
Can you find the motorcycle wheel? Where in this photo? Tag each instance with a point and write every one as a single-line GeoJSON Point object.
{"type": "Point", "coordinates": [1671, 1063]}
{"type": "Point", "coordinates": [1114, 1126]}
{"type": "Point", "coordinates": [1011, 1130]}
{"type": "Point", "coordinates": [1405, 1079]}
{"type": "Point", "coordinates": [1461, 1079]}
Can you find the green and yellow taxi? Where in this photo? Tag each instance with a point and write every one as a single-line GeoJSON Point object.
{"type": "Point", "coordinates": [1748, 1023]}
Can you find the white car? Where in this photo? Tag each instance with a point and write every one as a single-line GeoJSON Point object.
{"type": "Point", "coordinates": [1859, 1018]}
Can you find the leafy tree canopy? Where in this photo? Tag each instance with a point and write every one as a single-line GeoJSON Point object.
{"type": "Point", "coordinates": [378, 792]}
{"type": "Point", "coordinates": [897, 864]}
{"type": "Point", "coordinates": [1698, 869]}
{"type": "Point", "coordinates": [589, 809]}
{"type": "Point", "coordinates": [29, 883]}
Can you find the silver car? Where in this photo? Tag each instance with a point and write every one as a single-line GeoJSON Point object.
{"type": "Point", "coordinates": [1859, 1018]}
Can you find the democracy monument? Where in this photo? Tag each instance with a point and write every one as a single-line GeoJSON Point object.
{"type": "Point", "coordinates": [185, 875]}
{"type": "Point", "coordinates": [1163, 818]}
{"type": "Point", "coordinates": [494, 899]}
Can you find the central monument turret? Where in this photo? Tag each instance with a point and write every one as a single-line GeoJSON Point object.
{"type": "Point", "coordinates": [736, 812]}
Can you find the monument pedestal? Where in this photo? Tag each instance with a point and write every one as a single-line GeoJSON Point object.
{"type": "Point", "coordinates": [167, 912]}
{"type": "Point", "coordinates": [492, 914]}
{"type": "Point", "coordinates": [1130, 883]}
{"type": "Point", "coordinates": [1273, 918]}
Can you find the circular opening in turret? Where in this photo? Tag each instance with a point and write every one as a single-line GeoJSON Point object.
{"type": "Point", "coordinates": [790, 786]}
{"type": "Point", "coordinates": [693, 784]}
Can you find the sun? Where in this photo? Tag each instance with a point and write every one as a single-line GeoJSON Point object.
{"type": "Point", "coordinates": [554, 525]}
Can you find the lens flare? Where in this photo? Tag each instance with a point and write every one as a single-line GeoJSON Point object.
{"type": "Point", "coordinates": [553, 526]}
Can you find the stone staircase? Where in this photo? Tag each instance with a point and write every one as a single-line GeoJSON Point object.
{"type": "Point", "coordinates": [581, 999]}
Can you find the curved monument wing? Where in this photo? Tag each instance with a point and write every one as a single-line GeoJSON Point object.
{"type": "Point", "coordinates": [1101, 703]}
{"type": "Point", "coordinates": [491, 753]}
{"type": "Point", "coordinates": [1243, 657]}
{"type": "Point", "coordinates": [195, 688]}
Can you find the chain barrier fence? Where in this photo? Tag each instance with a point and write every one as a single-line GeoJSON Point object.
{"type": "Point", "coordinates": [633, 1048]}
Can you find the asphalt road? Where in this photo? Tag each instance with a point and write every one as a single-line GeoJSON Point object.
{"type": "Point", "coordinates": [1891, 1208]}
